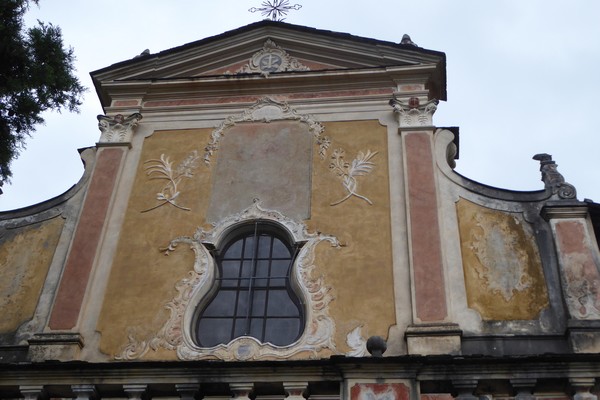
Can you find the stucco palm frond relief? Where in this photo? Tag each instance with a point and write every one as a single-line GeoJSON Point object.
{"type": "Point", "coordinates": [162, 169]}
{"type": "Point", "coordinates": [349, 171]}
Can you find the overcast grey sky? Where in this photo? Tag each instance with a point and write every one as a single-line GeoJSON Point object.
{"type": "Point", "coordinates": [522, 76]}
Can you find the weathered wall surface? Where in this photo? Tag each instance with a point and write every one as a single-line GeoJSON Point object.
{"type": "Point", "coordinates": [25, 256]}
{"type": "Point", "coordinates": [502, 266]}
{"type": "Point", "coordinates": [142, 278]}
{"type": "Point", "coordinates": [349, 199]}
{"type": "Point", "coordinates": [361, 272]}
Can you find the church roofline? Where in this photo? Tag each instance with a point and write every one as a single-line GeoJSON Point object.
{"type": "Point", "coordinates": [440, 57]}
{"type": "Point", "coordinates": [278, 24]}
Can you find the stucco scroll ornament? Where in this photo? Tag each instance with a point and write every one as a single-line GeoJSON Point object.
{"type": "Point", "coordinates": [176, 332]}
{"type": "Point", "coordinates": [356, 342]}
{"type": "Point", "coordinates": [347, 172]}
{"type": "Point", "coordinates": [117, 129]}
{"type": "Point", "coordinates": [267, 110]}
{"type": "Point", "coordinates": [272, 58]}
{"type": "Point", "coordinates": [553, 180]}
{"type": "Point", "coordinates": [163, 169]}
{"type": "Point", "coordinates": [414, 114]}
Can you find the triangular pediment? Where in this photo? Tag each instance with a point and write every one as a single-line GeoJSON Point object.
{"type": "Point", "coordinates": [297, 48]}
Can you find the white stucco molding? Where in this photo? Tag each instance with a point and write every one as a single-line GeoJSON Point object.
{"type": "Point", "coordinates": [177, 333]}
{"type": "Point", "coordinates": [413, 114]}
{"type": "Point", "coordinates": [267, 110]}
{"type": "Point", "coordinates": [117, 129]}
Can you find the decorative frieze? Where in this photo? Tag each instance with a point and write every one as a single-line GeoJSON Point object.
{"type": "Point", "coordinates": [117, 129]}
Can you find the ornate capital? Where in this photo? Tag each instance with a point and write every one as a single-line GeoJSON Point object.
{"type": "Point", "coordinates": [553, 180]}
{"type": "Point", "coordinates": [413, 114]}
{"type": "Point", "coordinates": [117, 129]}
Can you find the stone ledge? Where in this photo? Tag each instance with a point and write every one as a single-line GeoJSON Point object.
{"type": "Point", "coordinates": [64, 346]}
{"type": "Point", "coordinates": [584, 335]}
{"type": "Point", "coordinates": [430, 339]}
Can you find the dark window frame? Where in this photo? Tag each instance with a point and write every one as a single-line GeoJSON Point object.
{"type": "Point", "coordinates": [283, 317]}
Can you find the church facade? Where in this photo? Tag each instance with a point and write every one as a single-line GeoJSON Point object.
{"type": "Point", "coordinates": [272, 212]}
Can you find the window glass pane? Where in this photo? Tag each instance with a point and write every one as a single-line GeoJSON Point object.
{"type": "Point", "coordinates": [249, 247]}
{"type": "Point", "coordinates": [222, 305]}
{"type": "Point", "coordinates": [246, 273]}
{"type": "Point", "coordinates": [256, 328]}
{"type": "Point", "coordinates": [242, 304]}
{"type": "Point", "coordinates": [214, 331]}
{"type": "Point", "coordinates": [262, 269]}
{"type": "Point", "coordinates": [282, 331]}
{"type": "Point", "coordinates": [239, 328]}
{"type": "Point", "coordinates": [280, 250]}
{"type": "Point", "coordinates": [258, 303]}
{"type": "Point", "coordinates": [235, 250]}
{"type": "Point", "coordinates": [230, 271]}
{"type": "Point", "coordinates": [281, 305]}
{"type": "Point", "coordinates": [264, 246]}
{"type": "Point", "coordinates": [279, 268]}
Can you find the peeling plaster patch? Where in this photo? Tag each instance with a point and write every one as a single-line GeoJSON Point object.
{"type": "Point", "coordinates": [579, 270]}
{"type": "Point", "coordinates": [24, 261]}
{"type": "Point", "coordinates": [502, 267]}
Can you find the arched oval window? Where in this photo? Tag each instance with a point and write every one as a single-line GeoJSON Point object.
{"type": "Point", "coordinates": [254, 292]}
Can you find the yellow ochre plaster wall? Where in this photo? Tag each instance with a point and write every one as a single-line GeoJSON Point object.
{"type": "Point", "coordinates": [502, 266]}
{"type": "Point", "coordinates": [143, 279]}
{"type": "Point", "coordinates": [25, 256]}
{"type": "Point", "coordinates": [360, 273]}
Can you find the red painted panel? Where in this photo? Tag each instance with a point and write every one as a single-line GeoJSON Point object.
{"type": "Point", "coordinates": [430, 295]}
{"type": "Point", "coordinates": [85, 242]}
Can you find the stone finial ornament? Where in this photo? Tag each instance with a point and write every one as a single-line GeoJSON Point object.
{"type": "Point", "coordinates": [413, 113]}
{"type": "Point", "coordinates": [407, 40]}
{"type": "Point", "coordinates": [117, 129]}
{"type": "Point", "coordinates": [553, 180]}
{"type": "Point", "coordinates": [376, 345]}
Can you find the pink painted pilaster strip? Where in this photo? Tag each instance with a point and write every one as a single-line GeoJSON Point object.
{"type": "Point", "coordinates": [430, 294]}
{"type": "Point", "coordinates": [579, 269]}
{"type": "Point", "coordinates": [69, 298]}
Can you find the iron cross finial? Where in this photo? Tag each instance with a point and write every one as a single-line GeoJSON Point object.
{"type": "Point", "coordinates": [275, 9]}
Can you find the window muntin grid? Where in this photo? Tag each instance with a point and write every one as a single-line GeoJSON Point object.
{"type": "Point", "coordinates": [254, 295]}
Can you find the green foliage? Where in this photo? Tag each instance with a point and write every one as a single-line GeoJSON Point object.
{"type": "Point", "coordinates": [36, 74]}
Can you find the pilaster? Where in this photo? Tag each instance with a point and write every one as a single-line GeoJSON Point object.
{"type": "Point", "coordinates": [432, 333]}
{"type": "Point", "coordinates": [113, 146]}
{"type": "Point", "coordinates": [579, 266]}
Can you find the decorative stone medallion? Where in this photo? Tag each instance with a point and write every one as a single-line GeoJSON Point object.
{"type": "Point", "coordinates": [272, 58]}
